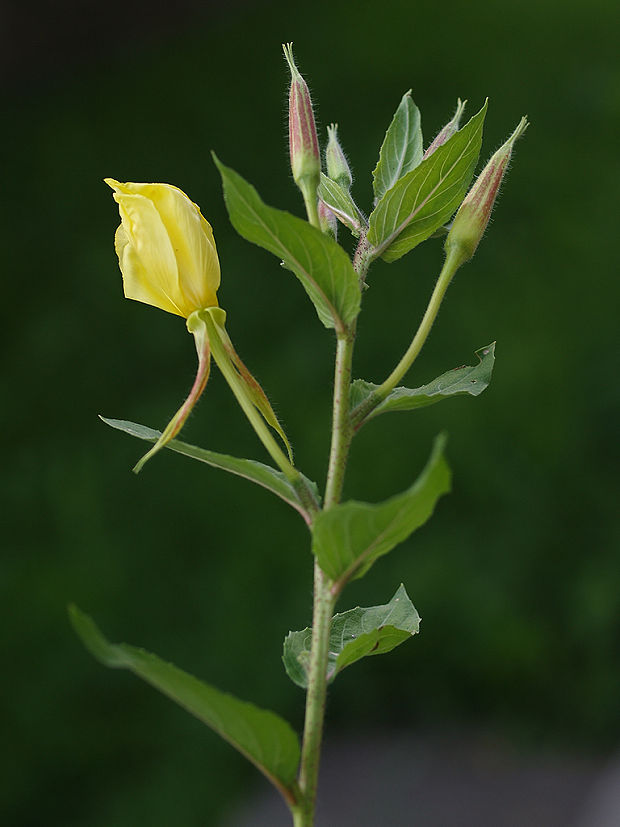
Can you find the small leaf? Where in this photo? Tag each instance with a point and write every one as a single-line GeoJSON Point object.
{"type": "Point", "coordinates": [425, 198]}
{"type": "Point", "coordinates": [348, 538]}
{"type": "Point", "coordinates": [457, 382]}
{"type": "Point", "coordinates": [341, 204]}
{"type": "Point", "coordinates": [321, 265]}
{"type": "Point", "coordinates": [402, 148]}
{"type": "Point", "coordinates": [355, 634]}
{"type": "Point", "coordinates": [264, 738]}
{"type": "Point", "coordinates": [258, 472]}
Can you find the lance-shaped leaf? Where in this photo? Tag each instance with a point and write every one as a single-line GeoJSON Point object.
{"type": "Point", "coordinates": [425, 198]}
{"type": "Point", "coordinates": [348, 538]}
{"type": "Point", "coordinates": [341, 204]}
{"type": "Point", "coordinates": [467, 379]}
{"type": "Point", "coordinates": [263, 475]}
{"type": "Point", "coordinates": [354, 635]}
{"type": "Point", "coordinates": [264, 738]}
{"type": "Point", "coordinates": [402, 148]}
{"type": "Point", "coordinates": [321, 265]}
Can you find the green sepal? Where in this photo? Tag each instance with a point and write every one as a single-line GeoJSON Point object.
{"type": "Point", "coordinates": [348, 538]}
{"type": "Point", "coordinates": [402, 147]}
{"type": "Point", "coordinates": [321, 265]}
{"type": "Point", "coordinates": [213, 320]}
{"type": "Point", "coordinates": [425, 198]}
{"type": "Point", "coordinates": [175, 425]}
{"type": "Point", "coordinates": [263, 737]}
{"type": "Point", "coordinates": [257, 472]}
{"type": "Point", "coordinates": [341, 204]}
{"type": "Point", "coordinates": [465, 380]}
{"type": "Point", "coordinates": [355, 634]}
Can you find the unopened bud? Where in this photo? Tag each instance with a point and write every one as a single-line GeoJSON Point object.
{"type": "Point", "coordinates": [473, 215]}
{"type": "Point", "coordinates": [327, 220]}
{"type": "Point", "coordinates": [337, 167]}
{"type": "Point", "coordinates": [303, 140]}
{"type": "Point", "coordinates": [448, 130]}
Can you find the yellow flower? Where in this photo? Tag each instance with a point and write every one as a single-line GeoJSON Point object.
{"type": "Point", "coordinates": [165, 248]}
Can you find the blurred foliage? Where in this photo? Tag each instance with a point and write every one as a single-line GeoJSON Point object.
{"type": "Point", "coordinates": [516, 577]}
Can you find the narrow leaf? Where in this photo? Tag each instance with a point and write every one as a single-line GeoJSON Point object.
{"type": "Point", "coordinates": [466, 380]}
{"type": "Point", "coordinates": [348, 538]}
{"type": "Point", "coordinates": [402, 148]}
{"type": "Point", "coordinates": [341, 204]}
{"type": "Point", "coordinates": [321, 265]}
{"type": "Point", "coordinates": [355, 634]}
{"type": "Point", "coordinates": [425, 198]}
{"type": "Point", "coordinates": [258, 472]}
{"type": "Point", "coordinates": [264, 738]}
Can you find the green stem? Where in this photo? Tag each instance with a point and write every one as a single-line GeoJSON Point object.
{"type": "Point", "coordinates": [323, 610]}
{"type": "Point", "coordinates": [309, 185]}
{"type": "Point", "coordinates": [450, 266]}
{"type": "Point", "coordinates": [325, 596]}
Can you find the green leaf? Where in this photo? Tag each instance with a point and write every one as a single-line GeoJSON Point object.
{"type": "Point", "coordinates": [265, 739]}
{"type": "Point", "coordinates": [341, 204]}
{"type": "Point", "coordinates": [425, 198]}
{"type": "Point", "coordinates": [464, 380]}
{"type": "Point", "coordinates": [263, 475]}
{"type": "Point", "coordinates": [355, 634]}
{"type": "Point", "coordinates": [348, 538]}
{"type": "Point", "coordinates": [321, 265]}
{"type": "Point", "coordinates": [402, 148]}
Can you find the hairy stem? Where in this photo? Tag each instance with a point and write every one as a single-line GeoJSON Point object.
{"type": "Point", "coordinates": [450, 266]}
{"type": "Point", "coordinates": [324, 594]}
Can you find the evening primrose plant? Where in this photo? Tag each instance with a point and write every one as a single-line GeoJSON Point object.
{"type": "Point", "coordinates": [168, 259]}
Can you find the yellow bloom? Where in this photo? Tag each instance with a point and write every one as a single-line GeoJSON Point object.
{"type": "Point", "coordinates": [165, 248]}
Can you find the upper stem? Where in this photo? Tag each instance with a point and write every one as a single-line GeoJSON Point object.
{"type": "Point", "coordinates": [450, 266]}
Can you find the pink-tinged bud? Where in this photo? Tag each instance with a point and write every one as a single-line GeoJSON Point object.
{"type": "Point", "coordinates": [327, 220]}
{"type": "Point", "coordinates": [474, 213]}
{"type": "Point", "coordinates": [337, 166]}
{"type": "Point", "coordinates": [303, 140]}
{"type": "Point", "coordinates": [448, 130]}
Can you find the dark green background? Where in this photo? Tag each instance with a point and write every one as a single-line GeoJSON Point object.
{"type": "Point", "coordinates": [517, 576]}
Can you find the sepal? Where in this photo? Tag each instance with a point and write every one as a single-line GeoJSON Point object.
{"type": "Point", "coordinates": [243, 384]}
{"type": "Point", "coordinates": [203, 350]}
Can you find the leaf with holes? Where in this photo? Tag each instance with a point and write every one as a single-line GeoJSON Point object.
{"type": "Point", "coordinates": [355, 634]}
{"type": "Point", "coordinates": [466, 380]}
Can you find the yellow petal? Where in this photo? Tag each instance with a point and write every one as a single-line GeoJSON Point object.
{"type": "Point", "coordinates": [167, 252]}
{"type": "Point", "coordinates": [136, 282]}
{"type": "Point", "coordinates": [191, 237]}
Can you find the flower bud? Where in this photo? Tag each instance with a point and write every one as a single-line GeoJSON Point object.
{"type": "Point", "coordinates": [448, 130]}
{"type": "Point", "coordinates": [165, 248]}
{"type": "Point", "coordinates": [473, 215]}
{"type": "Point", "coordinates": [327, 220]}
{"type": "Point", "coordinates": [303, 140]}
{"type": "Point", "coordinates": [337, 167]}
